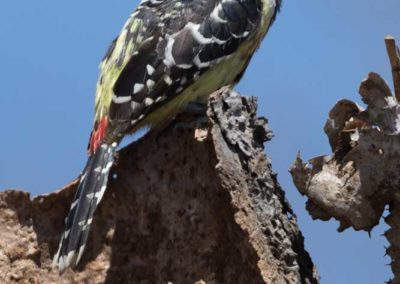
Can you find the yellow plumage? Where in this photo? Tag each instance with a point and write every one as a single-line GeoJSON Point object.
{"type": "Point", "coordinates": [222, 74]}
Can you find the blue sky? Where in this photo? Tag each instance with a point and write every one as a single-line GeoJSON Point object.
{"type": "Point", "coordinates": [316, 53]}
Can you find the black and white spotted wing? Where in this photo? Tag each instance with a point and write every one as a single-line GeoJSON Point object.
{"type": "Point", "coordinates": [184, 39]}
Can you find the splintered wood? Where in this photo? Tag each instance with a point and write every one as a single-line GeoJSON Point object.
{"type": "Point", "coordinates": [394, 57]}
{"type": "Point", "coordinates": [361, 178]}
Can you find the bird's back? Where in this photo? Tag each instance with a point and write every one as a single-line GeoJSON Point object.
{"type": "Point", "coordinates": [171, 52]}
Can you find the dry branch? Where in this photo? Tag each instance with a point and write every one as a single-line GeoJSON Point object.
{"type": "Point", "coordinates": [394, 57]}
{"type": "Point", "coordinates": [189, 205]}
{"type": "Point", "coordinates": [363, 175]}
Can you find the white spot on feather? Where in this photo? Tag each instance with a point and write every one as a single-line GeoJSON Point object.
{"type": "Point", "coordinates": [196, 75]}
{"type": "Point", "coordinates": [121, 100]}
{"type": "Point", "coordinates": [137, 88]}
{"type": "Point", "coordinates": [150, 84]}
{"type": "Point", "coordinates": [197, 35]}
{"type": "Point", "coordinates": [66, 234]}
{"type": "Point", "coordinates": [148, 101]}
{"type": "Point", "coordinates": [68, 258]}
{"type": "Point", "coordinates": [150, 69]}
{"type": "Point", "coordinates": [168, 80]}
{"type": "Point", "coordinates": [200, 64]}
{"type": "Point", "coordinates": [81, 249]}
{"type": "Point", "coordinates": [161, 98]}
{"type": "Point", "coordinates": [107, 168]}
{"type": "Point", "coordinates": [134, 105]}
{"type": "Point", "coordinates": [184, 66]}
{"type": "Point", "coordinates": [194, 29]}
{"type": "Point", "coordinates": [244, 34]}
{"type": "Point", "coordinates": [99, 194]}
{"type": "Point", "coordinates": [83, 177]}
{"type": "Point", "coordinates": [215, 15]}
{"type": "Point", "coordinates": [169, 60]}
{"type": "Point", "coordinates": [183, 81]}
{"type": "Point", "coordinates": [74, 203]}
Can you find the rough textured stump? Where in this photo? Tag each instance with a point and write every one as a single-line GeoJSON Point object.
{"type": "Point", "coordinates": [185, 205]}
{"type": "Point", "coordinates": [363, 175]}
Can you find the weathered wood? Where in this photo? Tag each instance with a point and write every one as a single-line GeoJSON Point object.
{"type": "Point", "coordinates": [394, 58]}
{"type": "Point", "coordinates": [361, 178]}
{"type": "Point", "coordinates": [186, 205]}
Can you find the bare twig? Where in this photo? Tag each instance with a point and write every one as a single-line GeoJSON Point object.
{"type": "Point", "coordinates": [394, 57]}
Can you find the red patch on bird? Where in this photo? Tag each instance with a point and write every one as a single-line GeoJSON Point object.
{"type": "Point", "coordinates": [97, 135]}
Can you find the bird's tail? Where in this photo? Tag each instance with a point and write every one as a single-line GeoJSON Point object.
{"type": "Point", "coordinates": [91, 188]}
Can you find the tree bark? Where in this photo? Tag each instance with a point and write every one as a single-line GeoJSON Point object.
{"type": "Point", "coordinates": [361, 178]}
{"type": "Point", "coordinates": [184, 205]}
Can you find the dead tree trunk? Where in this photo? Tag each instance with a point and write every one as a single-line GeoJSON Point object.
{"type": "Point", "coordinates": [185, 205]}
{"type": "Point", "coordinates": [363, 175]}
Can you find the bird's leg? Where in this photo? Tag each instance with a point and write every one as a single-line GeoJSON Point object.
{"type": "Point", "coordinates": [193, 116]}
{"type": "Point", "coordinates": [198, 108]}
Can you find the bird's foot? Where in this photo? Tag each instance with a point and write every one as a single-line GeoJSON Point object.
{"type": "Point", "coordinates": [196, 108]}
{"type": "Point", "coordinates": [194, 116]}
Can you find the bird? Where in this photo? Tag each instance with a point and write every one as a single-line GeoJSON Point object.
{"type": "Point", "coordinates": [168, 54]}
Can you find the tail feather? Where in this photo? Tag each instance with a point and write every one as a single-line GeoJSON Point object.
{"type": "Point", "coordinates": [91, 189]}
